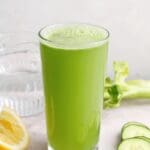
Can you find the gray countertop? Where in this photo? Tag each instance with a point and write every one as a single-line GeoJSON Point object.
{"type": "Point", "coordinates": [112, 121]}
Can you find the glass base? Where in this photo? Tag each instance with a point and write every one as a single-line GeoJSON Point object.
{"type": "Point", "coordinates": [24, 105]}
{"type": "Point", "coordinates": [96, 148]}
{"type": "Point", "coordinates": [49, 148]}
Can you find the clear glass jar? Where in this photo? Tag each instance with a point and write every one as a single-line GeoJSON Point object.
{"type": "Point", "coordinates": [20, 73]}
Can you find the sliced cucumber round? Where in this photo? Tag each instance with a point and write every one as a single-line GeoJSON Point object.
{"type": "Point", "coordinates": [134, 123]}
{"type": "Point", "coordinates": [135, 129]}
{"type": "Point", "coordinates": [137, 143]}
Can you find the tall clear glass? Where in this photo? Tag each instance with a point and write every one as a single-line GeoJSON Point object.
{"type": "Point", "coordinates": [20, 73]}
{"type": "Point", "coordinates": [73, 63]}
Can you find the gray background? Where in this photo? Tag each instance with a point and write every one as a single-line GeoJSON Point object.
{"type": "Point", "coordinates": [127, 20]}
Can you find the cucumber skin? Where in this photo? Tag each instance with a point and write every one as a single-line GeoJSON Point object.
{"type": "Point", "coordinates": [141, 138]}
{"type": "Point", "coordinates": [133, 123]}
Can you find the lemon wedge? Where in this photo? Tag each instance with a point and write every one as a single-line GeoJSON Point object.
{"type": "Point", "coordinates": [13, 134]}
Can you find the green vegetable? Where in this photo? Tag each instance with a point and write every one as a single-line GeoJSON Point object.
{"type": "Point", "coordinates": [118, 89]}
{"type": "Point", "coordinates": [135, 129]}
{"type": "Point", "coordinates": [138, 143]}
{"type": "Point", "coordinates": [135, 136]}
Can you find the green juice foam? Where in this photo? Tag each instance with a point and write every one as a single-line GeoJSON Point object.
{"type": "Point", "coordinates": [74, 36]}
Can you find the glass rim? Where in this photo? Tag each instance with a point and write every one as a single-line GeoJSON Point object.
{"type": "Point", "coordinates": [87, 45]}
{"type": "Point", "coordinates": [15, 42]}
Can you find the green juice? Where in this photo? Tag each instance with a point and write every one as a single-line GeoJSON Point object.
{"type": "Point", "coordinates": [73, 62]}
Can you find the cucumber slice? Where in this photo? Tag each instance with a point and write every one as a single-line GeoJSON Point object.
{"type": "Point", "coordinates": [134, 123]}
{"type": "Point", "coordinates": [138, 143]}
{"type": "Point", "coordinates": [135, 129]}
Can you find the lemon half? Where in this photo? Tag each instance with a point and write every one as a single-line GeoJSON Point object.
{"type": "Point", "coordinates": [13, 134]}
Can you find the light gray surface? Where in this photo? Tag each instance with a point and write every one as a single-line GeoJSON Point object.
{"type": "Point", "coordinates": [127, 20]}
{"type": "Point", "coordinates": [112, 122]}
